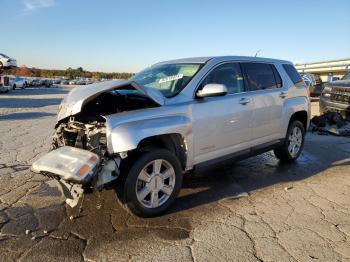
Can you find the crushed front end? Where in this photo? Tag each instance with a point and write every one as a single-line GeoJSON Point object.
{"type": "Point", "coordinates": [79, 158]}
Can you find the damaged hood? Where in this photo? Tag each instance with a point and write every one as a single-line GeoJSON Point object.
{"type": "Point", "coordinates": [75, 99]}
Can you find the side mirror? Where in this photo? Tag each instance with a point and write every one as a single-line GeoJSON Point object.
{"type": "Point", "coordinates": [212, 90]}
{"type": "Point", "coordinates": [335, 79]}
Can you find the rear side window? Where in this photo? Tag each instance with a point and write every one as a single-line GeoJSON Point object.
{"type": "Point", "coordinates": [261, 76]}
{"type": "Point", "coordinates": [293, 74]}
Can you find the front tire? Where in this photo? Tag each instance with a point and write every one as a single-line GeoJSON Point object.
{"type": "Point", "coordinates": [293, 144]}
{"type": "Point", "coordinates": [13, 87]}
{"type": "Point", "coordinates": [153, 183]}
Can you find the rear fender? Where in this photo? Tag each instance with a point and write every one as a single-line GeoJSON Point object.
{"type": "Point", "coordinates": [292, 106]}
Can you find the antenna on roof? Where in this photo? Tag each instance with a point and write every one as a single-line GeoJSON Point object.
{"type": "Point", "coordinates": [257, 52]}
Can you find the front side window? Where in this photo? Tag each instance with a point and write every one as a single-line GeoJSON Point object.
{"type": "Point", "coordinates": [229, 74]}
{"type": "Point", "coordinates": [170, 79]}
{"type": "Point", "coordinates": [261, 76]}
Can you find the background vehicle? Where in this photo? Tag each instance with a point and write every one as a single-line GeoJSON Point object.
{"type": "Point", "coordinates": [4, 84]}
{"type": "Point", "coordinates": [314, 83]}
{"type": "Point", "coordinates": [47, 83]}
{"type": "Point", "coordinates": [7, 62]}
{"type": "Point", "coordinates": [18, 82]}
{"type": "Point", "coordinates": [35, 82]}
{"type": "Point", "coordinates": [174, 117]}
{"type": "Point", "coordinates": [56, 81]}
{"type": "Point", "coordinates": [81, 82]}
{"type": "Point", "coordinates": [336, 97]}
{"type": "Point", "coordinates": [41, 81]}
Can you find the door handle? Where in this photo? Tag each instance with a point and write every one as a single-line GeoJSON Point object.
{"type": "Point", "coordinates": [283, 95]}
{"type": "Point", "coordinates": [244, 101]}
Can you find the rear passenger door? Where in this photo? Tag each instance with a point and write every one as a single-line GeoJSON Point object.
{"type": "Point", "coordinates": [268, 93]}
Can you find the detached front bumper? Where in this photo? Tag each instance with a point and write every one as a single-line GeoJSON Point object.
{"type": "Point", "coordinates": [76, 169]}
{"type": "Point", "coordinates": [72, 167]}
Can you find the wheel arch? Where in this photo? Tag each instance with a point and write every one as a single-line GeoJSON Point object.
{"type": "Point", "coordinates": [173, 142]}
{"type": "Point", "coordinates": [301, 116]}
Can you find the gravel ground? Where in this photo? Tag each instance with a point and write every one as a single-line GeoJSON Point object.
{"type": "Point", "coordinates": [254, 210]}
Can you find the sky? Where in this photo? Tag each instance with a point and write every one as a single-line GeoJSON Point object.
{"type": "Point", "coordinates": [129, 35]}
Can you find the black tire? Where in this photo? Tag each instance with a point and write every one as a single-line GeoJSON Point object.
{"type": "Point", "coordinates": [13, 87]}
{"type": "Point", "coordinates": [283, 153]}
{"type": "Point", "coordinates": [130, 186]}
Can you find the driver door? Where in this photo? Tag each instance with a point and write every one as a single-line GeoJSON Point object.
{"type": "Point", "coordinates": [222, 124]}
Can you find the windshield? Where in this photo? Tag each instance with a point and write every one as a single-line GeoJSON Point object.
{"type": "Point", "coordinates": [347, 76]}
{"type": "Point", "coordinates": [5, 56]}
{"type": "Point", "coordinates": [169, 79]}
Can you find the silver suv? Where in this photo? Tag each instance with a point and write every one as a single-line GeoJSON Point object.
{"type": "Point", "coordinates": [171, 118]}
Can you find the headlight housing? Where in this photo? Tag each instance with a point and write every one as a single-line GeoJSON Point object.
{"type": "Point", "coordinates": [326, 92]}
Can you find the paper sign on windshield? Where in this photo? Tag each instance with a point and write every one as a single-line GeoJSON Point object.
{"type": "Point", "coordinates": [170, 78]}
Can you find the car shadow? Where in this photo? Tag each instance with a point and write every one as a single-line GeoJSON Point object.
{"type": "Point", "coordinates": [244, 177]}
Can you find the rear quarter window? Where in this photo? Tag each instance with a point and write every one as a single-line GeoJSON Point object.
{"type": "Point", "coordinates": [260, 76]}
{"type": "Point", "coordinates": [293, 75]}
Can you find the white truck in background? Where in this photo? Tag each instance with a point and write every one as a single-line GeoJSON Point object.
{"type": "Point", "coordinates": [7, 62]}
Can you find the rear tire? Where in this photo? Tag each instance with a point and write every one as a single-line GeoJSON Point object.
{"type": "Point", "coordinates": [293, 144]}
{"type": "Point", "coordinates": [153, 183]}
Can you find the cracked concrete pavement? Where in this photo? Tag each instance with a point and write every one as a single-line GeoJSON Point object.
{"type": "Point", "coordinates": [253, 210]}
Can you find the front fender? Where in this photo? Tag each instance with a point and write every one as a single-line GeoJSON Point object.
{"type": "Point", "coordinates": [126, 136]}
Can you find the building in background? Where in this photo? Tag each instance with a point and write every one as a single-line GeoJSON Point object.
{"type": "Point", "coordinates": [326, 69]}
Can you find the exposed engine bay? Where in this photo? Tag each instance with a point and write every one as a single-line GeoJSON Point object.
{"type": "Point", "coordinates": [87, 129]}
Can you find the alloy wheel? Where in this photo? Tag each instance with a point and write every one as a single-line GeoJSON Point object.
{"type": "Point", "coordinates": [155, 183]}
{"type": "Point", "coordinates": [295, 141]}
